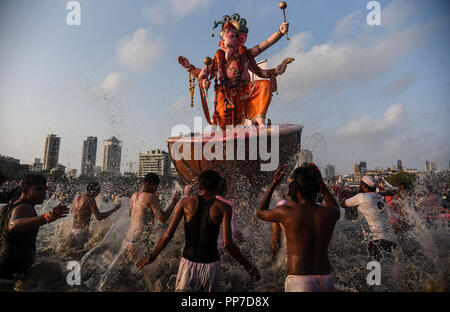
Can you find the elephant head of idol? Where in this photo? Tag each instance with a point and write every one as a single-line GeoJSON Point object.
{"type": "Point", "coordinates": [233, 34]}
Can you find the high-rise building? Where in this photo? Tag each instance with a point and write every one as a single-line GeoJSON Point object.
{"type": "Point", "coordinates": [330, 171]}
{"type": "Point", "coordinates": [89, 156]}
{"type": "Point", "coordinates": [155, 161]}
{"type": "Point", "coordinates": [430, 166]}
{"type": "Point", "coordinates": [433, 167]}
{"type": "Point", "coordinates": [51, 152]}
{"type": "Point", "coordinates": [363, 166]}
{"type": "Point", "coordinates": [357, 173]}
{"type": "Point", "coordinates": [399, 166]}
{"type": "Point", "coordinates": [305, 156]}
{"type": "Point", "coordinates": [112, 153]}
{"type": "Point", "coordinates": [36, 165]}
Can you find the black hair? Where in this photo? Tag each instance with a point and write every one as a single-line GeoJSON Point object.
{"type": "Point", "coordinates": [151, 179]}
{"type": "Point", "coordinates": [33, 179]}
{"type": "Point", "coordinates": [306, 181]}
{"type": "Point", "coordinates": [93, 187]}
{"type": "Point", "coordinates": [222, 186]}
{"type": "Point", "coordinates": [292, 191]}
{"type": "Point", "coordinates": [209, 180]}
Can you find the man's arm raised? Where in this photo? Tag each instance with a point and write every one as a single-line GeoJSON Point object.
{"type": "Point", "coordinates": [330, 201]}
{"type": "Point", "coordinates": [165, 239]}
{"type": "Point", "coordinates": [161, 215]}
{"type": "Point", "coordinates": [23, 219]}
{"type": "Point", "coordinates": [101, 215]}
{"type": "Point", "coordinates": [263, 211]}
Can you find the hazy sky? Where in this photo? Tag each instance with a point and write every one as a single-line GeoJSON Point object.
{"type": "Point", "coordinates": [373, 93]}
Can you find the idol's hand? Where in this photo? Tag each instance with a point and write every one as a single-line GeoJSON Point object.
{"type": "Point", "coordinates": [280, 69]}
{"type": "Point", "coordinates": [184, 61]}
{"type": "Point", "coordinates": [205, 84]}
{"type": "Point", "coordinates": [284, 28]}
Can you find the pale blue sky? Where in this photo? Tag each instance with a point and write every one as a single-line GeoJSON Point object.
{"type": "Point", "coordinates": [374, 93]}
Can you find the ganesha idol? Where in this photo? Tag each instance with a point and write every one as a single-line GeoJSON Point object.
{"type": "Point", "coordinates": [237, 98]}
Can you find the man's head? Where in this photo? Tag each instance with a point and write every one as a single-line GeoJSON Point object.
{"type": "Point", "coordinates": [403, 188]}
{"type": "Point", "coordinates": [305, 183]}
{"type": "Point", "coordinates": [222, 187]}
{"type": "Point", "coordinates": [33, 188]}
{"type": "Point", "coordinates": [151, 182]}
{"type": "Point", "coordinates": [209, 181]}
{"type": "Point", "coordinates": [93, 189]}
{"type": "Point", "coordinates": [368, 184]}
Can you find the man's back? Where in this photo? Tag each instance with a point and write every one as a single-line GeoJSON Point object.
{"type": "Point", "coordinates": [141, 214]}
{"type": "Point", "coordinates": [190, 206]}
{"type": "Point", "coordinates": [372, 206]}
{"type": "Point", "coordinates": [202, 225]}
{"type": "Point", "coordinates": [82, 211]}
{"type": "Point", "coordinates": [309, 228]}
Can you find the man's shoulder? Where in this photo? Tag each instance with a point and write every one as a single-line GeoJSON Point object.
{"type": "Point", "coordinates": [147, 196]}
{"type": "Point", "coordinates": [22, 209]}
{"type": "Point", "coordinates": [223, 203]}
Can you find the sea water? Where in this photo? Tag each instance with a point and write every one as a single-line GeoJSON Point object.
{"type": "Point", "coordinates": [421, 262]}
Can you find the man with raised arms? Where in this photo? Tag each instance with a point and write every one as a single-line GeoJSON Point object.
{"type": "Point", "coordinates": [144, 208]}
{"type": "Point", "coordinates": [84, 206]}
{"type": "Point", "coordinates": [199, 268]}
{"type": "Point", "coordinates": [308, 228]}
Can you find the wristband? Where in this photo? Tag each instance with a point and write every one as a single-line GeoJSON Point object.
{"type": "Point", "coordinates": [46, 218]}
{"type": "Point", "coordinates": [191, 68]}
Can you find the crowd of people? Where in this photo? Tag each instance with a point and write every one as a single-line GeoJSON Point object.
{"type": "Point", "coordinates": [306, 218]}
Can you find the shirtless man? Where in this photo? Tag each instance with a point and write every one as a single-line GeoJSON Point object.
{"type": "Point", "coordinates": [144, 207]}
{"type": "Point", "coordinates": [200, 263]}
{"type": "Point", "coordinates": [84, 206]}
{"type": "Point", "coordinates": [308, 227]}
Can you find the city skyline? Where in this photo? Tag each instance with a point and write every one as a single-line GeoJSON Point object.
{"type": "Point", "coordinates": [351, 85]}
{"type": "Point", "coordinates": [303, 156]}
